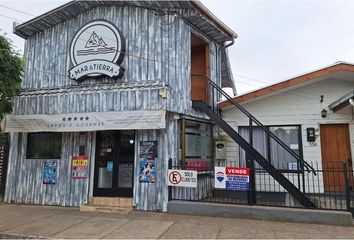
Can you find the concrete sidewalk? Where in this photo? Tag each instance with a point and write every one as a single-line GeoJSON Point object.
{"type": "Point", "coordinates": [57, 222]}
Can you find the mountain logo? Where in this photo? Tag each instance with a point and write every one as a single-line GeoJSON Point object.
{"type": "Point", "coordinates": [95, 41]}
{"type": "Point", "coordinates": [97, 49]}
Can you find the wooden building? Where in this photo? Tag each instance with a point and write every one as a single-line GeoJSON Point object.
{"type": "Point", "coordinates": [313, 115]}
{"type": "Point", "coordinates": [106, 101]}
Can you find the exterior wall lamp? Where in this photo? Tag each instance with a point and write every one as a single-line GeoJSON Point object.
{"type": "Point", "coordinates": [324, 113]}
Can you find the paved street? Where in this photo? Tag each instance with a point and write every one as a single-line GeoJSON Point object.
{"type": "Point", "coordinates": [58, 222]}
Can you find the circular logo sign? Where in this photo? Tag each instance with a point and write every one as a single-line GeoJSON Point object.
{"type": "Point", "coordinates": [97, 49]}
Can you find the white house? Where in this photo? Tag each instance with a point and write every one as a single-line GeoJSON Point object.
{"type": "Point", "coordinates": [311, 113]}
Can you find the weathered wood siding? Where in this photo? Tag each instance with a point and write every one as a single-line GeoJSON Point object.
{"type": "Point", "coordinates": [154, 53]}
{"type": "Point", "coordinates": [25, 176]}
{"type": "Point", "coordinates": [154, 196]}
{"type": "Point", "coordinates": [157, 61]}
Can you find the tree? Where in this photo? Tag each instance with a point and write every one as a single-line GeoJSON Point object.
{"type": "Point", "coordinates": [11, 72]}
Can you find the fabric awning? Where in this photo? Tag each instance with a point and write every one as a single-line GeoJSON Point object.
{"type": "Point", "coordinates": [81, 122]}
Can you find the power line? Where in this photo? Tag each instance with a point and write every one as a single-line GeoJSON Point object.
{"type": "Point", "coordinates": [16, 10]}
{"type": "Point", "coordinates": [10, 18]}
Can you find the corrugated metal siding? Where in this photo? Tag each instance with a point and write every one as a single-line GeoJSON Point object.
{"type": "Point", "coordinates": [25, 184]}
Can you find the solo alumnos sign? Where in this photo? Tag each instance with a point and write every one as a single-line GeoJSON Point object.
{"type": "Point", "coordinates": [97, 49]}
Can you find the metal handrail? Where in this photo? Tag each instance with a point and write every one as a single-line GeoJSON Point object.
{"type": "Point", "coordinates": [265, 129]}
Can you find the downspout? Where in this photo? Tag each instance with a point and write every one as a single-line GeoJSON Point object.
{"type": "Point", "coordinates": [218, 51]}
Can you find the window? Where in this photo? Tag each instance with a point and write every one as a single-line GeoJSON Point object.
{"type": "Point", "coordinates": [196, 145]}
{"type": "Point", "coordinates": [44, 145]}
{"type": "Point", "coordinates": [269, 148]}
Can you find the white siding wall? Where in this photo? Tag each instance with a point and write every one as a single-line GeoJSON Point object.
{"type": "Point", "coordinates": [299, 106]}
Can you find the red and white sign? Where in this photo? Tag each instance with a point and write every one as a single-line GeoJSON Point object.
{"type": "Point", "coordinates": [182, 178]}
{"type": "Point", "coordinates": [232, 178]}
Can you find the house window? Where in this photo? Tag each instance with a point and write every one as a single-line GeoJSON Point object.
{"type": "Point", "coordinates": [270, 149]}
{"type": "Point", "coordinates": [196, 145]}
{"type": "Point", "coordinates": [44, 145]}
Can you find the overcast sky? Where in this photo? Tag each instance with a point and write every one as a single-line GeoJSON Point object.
{"type": "Point", "coordinates": [277, 39]}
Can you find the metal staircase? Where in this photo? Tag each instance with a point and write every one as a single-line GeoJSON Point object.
{"type": "Point", "coordinates": [253, 154]}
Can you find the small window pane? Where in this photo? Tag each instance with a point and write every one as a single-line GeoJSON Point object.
{"type": "Point", "coordinates": [198, 146]}
{"type": "Point", "coordinates": [44, 145]}
{"type": "Point", "coordinates": [280, 157]}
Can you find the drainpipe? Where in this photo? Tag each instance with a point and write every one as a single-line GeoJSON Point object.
{"type": "Point", "coordinates": [218, 50]}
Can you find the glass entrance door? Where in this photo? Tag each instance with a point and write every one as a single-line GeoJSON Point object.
{"type": "Point", "coordinates": [114, 164]}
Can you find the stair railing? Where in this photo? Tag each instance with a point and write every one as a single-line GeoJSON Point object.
{"type": "Point", "coordinates": [213, 85]}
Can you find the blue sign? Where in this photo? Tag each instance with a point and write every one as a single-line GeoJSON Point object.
{"type": "Point", "coordinates": [50, 172]}
{"type": "Point", "coordinates": [237, 182]}
{"type": "Point", "coordinates": [109, 166]}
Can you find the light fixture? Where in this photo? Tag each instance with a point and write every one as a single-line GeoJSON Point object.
{"type": "Point", "coordinates": [324, 113]}
{"type": "Point", "coordinates": [131, 141]}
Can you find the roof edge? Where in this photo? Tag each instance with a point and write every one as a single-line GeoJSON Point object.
{"type": "Point", "coordinates": [40, 17]}
{"type": "Point", "coordinates": [197, 4]}
{"type": "Point", "coordinates": [199, 7]}
{"type": "Point", "coordinates": [339, 66]}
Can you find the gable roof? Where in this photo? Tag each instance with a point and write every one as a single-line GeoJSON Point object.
{"type": "Point", "coordinates": [193, 12]}
{"type": "Point", "coordinates": [293, 82]}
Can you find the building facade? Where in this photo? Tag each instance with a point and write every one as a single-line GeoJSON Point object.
{"type": "Point", "coordinates": [106, 101]}
{"type": "Point", "coordinates": [312, 115]}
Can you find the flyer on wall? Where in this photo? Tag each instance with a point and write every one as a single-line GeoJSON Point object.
{"type": "Point", "coordinates": [147, 165]}
{"type": "Point", "coordinates": [147, 170]}
{"type": "Point", "coordinates": [50, 172]}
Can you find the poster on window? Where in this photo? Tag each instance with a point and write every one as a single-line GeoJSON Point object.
{"type": "Point", "coordinates": [50, 172]}
{"type": "Point", "coordinates": [125, 175]}
{"type": "Point", "coordinates": [147, 161]}
{"type": "Point", "coordinates": [79, 167]}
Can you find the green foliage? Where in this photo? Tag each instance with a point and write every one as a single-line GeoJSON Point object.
{"type": "Point", "coordinates": [11, 71]}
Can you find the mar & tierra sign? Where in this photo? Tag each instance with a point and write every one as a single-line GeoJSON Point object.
{"type": "Point", "coordinates": [97, 49]}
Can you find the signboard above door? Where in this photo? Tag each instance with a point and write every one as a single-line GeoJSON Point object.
{"type": "Point", "coordinates": [97, 49]}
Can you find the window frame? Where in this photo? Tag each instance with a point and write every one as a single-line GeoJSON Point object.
{"type": "Point", "coordinates": [301, 170]}
{"type": "Point", "coordinates": [29, 150]}
{"type": "Point", "coordinates": [182, 143]}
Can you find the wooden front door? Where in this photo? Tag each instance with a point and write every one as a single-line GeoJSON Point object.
{"type": "Point", "coordinates": [335, 149]}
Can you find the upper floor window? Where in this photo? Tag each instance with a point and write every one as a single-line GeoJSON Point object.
{"type": "Point", "coordinates": [44, 145]}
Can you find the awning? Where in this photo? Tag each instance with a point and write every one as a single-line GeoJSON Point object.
{"type": "Point", "coordinates": [81, 122]}
{"type": "Point", "coordinates": [342, 102]}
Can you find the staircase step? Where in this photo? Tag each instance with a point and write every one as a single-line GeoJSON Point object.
{"type": "Point", "coordinates": [106, 209]}
{"type": "Point", "coordinates": [112, 201]}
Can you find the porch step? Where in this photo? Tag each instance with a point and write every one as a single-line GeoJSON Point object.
{"type": "Point", "coordinates": [109, 205]}
{"type": "Point", "coordinates": [106, 209]}
{"type": "Point", "coordinates": [112, 201]}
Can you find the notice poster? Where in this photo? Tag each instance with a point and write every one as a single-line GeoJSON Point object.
{"type": "Point", "coordinates": [50, 172]}
{"type": "Point", "coordinates": [147, 155]}
{"type": "Point", "coordinates": [79, 167]}
{"type": "Point", "coordinates": [232, 178]}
